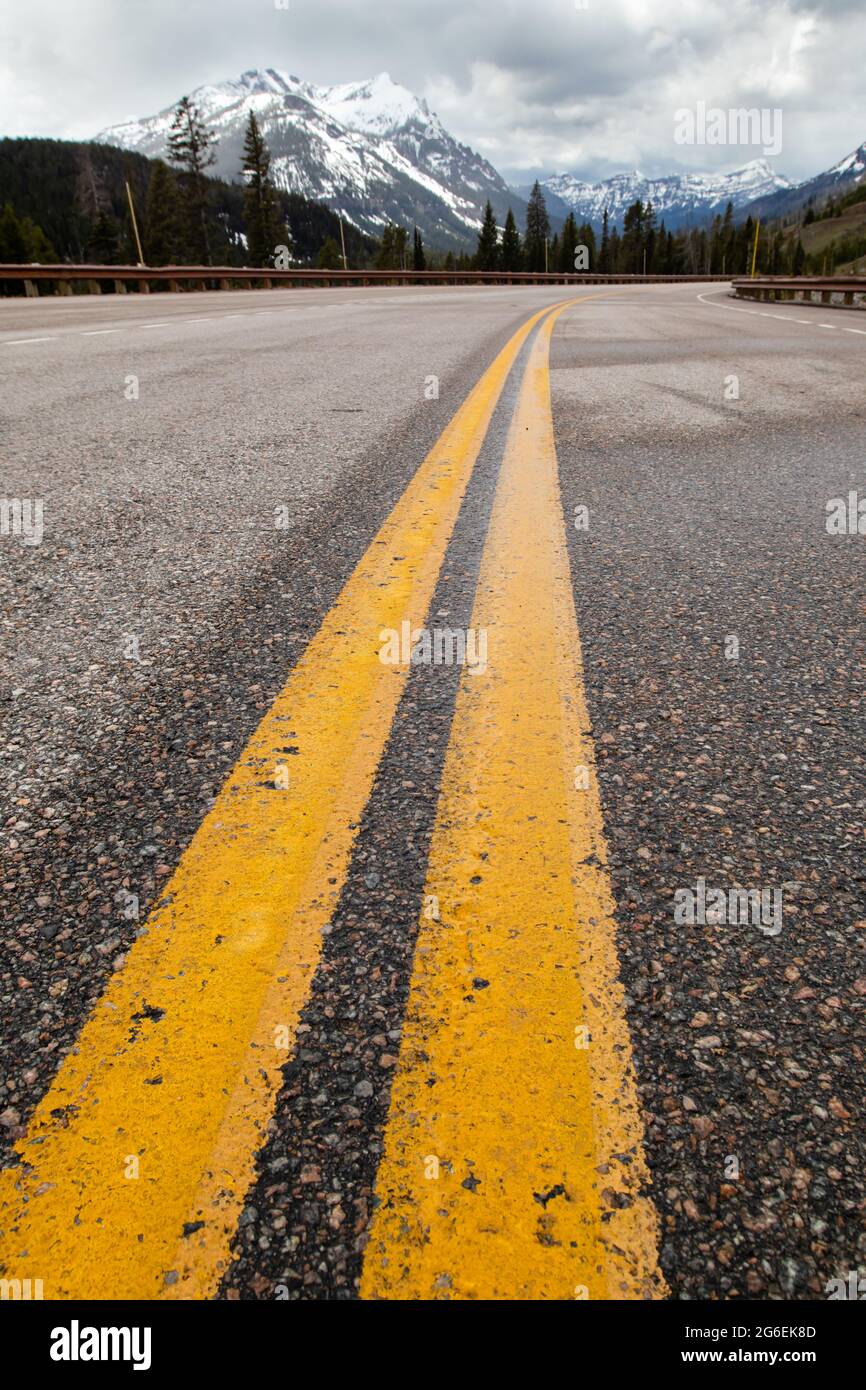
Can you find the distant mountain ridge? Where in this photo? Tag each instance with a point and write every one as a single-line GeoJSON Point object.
{"type": "Point", "coordinates": [678, 198]}
{"type": "Point", "coordinates": [754, 190]}
{"type": "Point", "coordinates": [371, 151]}
{"type": "Point", "coordinates": [839, 179]}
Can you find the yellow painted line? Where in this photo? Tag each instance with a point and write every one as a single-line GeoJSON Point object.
{"type": "Point", "coordinates": [513, 1164]}
{"type": "Point", "coordinates": [152, 1124]}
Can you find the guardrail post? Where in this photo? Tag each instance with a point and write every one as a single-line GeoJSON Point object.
{"type": "Point", "coordinates": [30, 290]}
{"type": "Point", "coordinates": [63, 287]}
{"type": "Point", "coordinates": [93, 286]}
{"type": "Point", "coordinates": [849, 297]}
{"type": "Point", "coordinates": [144, 287]}
{"type": "Point", "coordinates": [120, 287]}
{"type": "Point", "coordinates": [825, 296]}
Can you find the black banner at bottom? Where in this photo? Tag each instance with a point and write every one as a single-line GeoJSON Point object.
{"type": "Point", "coordinates": [661, 1339]}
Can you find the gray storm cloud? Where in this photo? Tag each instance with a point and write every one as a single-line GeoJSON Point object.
{"type": "Point", "coordinates": [534, 86]}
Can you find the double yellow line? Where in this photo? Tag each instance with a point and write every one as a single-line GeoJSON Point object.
{"type": "Point", "coordinates": [519, 1173]}
{"type": "Point", "coordinates": [513, 1164]}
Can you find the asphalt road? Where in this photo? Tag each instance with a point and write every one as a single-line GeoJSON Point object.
{"type": "Point", "coordinates": [213, 469]}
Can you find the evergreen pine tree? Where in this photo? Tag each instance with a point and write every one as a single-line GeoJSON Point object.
{"type": "Point", "coordinates": [671, 261]}
{"type": "Point", "coordinates": [487, 255]}
{"type": "Point", "coordinates": [13, 241]}
{"type": "Point", "coordinates": [727, 240]}
{"type": "Point", "coordinates": [745, 244]}
{"type": "Point", "coordinates": [568, 246]}
{"type": "Point", "coordinates": [614, 253]}
{"type": "Point", "coordinates": [716, 245]}
{"type": "Point", "coordinates": [393, 248]}
{"type": "Point", "coordinates": [261, 214]}
{"type": "Point", "coordinates": [510, 252]}
{"type": "Point", "coordinates": [537, 230]}
{"type": "Point", "coordinates": [650, 237]}
{"type": "Point", "coordinates": [330, 256]}
{"type": "Point", "coordinates": [104, 243]}
{"type": "Point", "coordinates": [419, 260]}
{"type": "Point", "coordinates": [385, 258]}
{"type": "Point", "coordinates": [190, 150]}
{"type": "Point", "coordinates": [604, 261]}
{"type": "Point", "coordinates": [798, 263]}
{"type": "Point", "coordinates": [162, 230]}
{"type": "Point", "coordinates": [39, 248]}
{"type": "Point", "coordinates": [633, 231]}
{"type": "Point", "coordinates": [701, 252]}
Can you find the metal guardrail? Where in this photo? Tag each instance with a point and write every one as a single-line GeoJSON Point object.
{"type": "Point", "coordinates": [802, 288]}
{"type": "Point", "coordinates": [60, 278]}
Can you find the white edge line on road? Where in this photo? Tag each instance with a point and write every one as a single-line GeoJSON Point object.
{"type": "Point", "coordinates": [737, 309]}
{"type": "Point", "coordinates": [15, 342]}
{"type": "Point", "coordinates": [98, 332]}
{"type": "Point", "coordinates": [760, 313]}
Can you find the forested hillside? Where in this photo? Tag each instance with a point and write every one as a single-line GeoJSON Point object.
{"type": "Point", "coordinates": [66, 200]}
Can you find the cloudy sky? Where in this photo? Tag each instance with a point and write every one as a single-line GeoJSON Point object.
{"type": "Point", "coordinates": [537, 85]}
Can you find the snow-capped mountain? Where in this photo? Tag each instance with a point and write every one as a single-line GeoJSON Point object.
{"type": "Point", "coordinates": [376, 153]}
{"type": "Point", "coordinates": [371, 150]}
{"type": "Point", "coordinates": [851, 168]}
{"type": "Point", "coordinates": [678, 199]}
{"type": "Point", "coordinates": [841, 178]}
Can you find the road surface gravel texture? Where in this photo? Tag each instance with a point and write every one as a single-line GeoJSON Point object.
{"type": "Point", "coordinates": [213, 468]}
